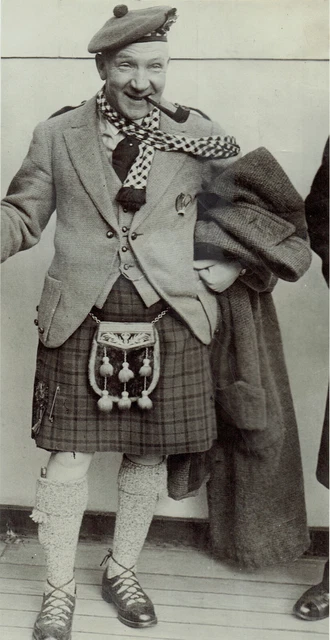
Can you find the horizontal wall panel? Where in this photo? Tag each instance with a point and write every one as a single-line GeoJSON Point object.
{"type": "Point", "coordinates": [205, 28]}
{"type": "Point", "coordinates": [30, 28]}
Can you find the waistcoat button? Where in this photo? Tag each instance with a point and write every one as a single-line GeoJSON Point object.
{"type": "Point", "coordinates": [110, 234]}
{"type": "Point", "coordinates": [36, 322]}
{"type": "Point", "coordinates": [126, 266]}
{"type": "Point", "coordinates": [124, 229]}
{"type": "Point", "coordinates": [124, 249]}
{"type": "Point", "coordinates": [41, 330]}
{"type": "Point", "coordinates": [125, 209]}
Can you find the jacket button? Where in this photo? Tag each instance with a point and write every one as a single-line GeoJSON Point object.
{"type": "Point", "coordinates": [124, 229]}
{"type": "Point", "coordinates": [124, 249]}
{"type": "Point", "coordinates": [126, 266]}
{"type": "Point", "coordinates": [41, 330]}
{"type": "Point", "coordinates": [125, 209]}
{"type": "Point", "coordinates": [35, 321]}
{"type": "Point", "coordinates": [133, 236]}
{"type": "Point", "coordinates": [110, 234]}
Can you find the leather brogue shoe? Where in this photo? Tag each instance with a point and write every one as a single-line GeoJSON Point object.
{"type": "Point", "coordinates": [313, 604]}
{"type": "Point", "coordinates": [134, 607]}
{"type": "Point", "coordinates": [56, 616]}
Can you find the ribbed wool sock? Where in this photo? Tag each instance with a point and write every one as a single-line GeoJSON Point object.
{"type": "Point", "coordinates": [139, 487]}
{"type": "Point", "coordinates": [59, 510]}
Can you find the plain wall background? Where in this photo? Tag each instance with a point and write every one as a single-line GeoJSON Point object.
{"type": "Point", "coordinates": [257, 67]}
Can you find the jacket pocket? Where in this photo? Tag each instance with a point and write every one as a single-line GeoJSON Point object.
{"type": "Point", "coordinates": [243, 406]}
{"type": "Point", "coordinates": [50, 298]}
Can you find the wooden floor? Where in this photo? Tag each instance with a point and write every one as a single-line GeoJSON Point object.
{"type": "Point", "coordinates": [195, 597]}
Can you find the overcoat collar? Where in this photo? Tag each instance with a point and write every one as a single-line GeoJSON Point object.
{"type": "Point", "coordinates": [84, 145]}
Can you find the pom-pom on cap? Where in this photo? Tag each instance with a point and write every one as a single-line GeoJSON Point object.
{"type": "Point", "coordinates": [120, 10]}
{"type": "Point", "coordinates": [126, 27]}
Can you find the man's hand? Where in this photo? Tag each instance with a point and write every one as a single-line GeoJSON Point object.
{"type": "Point", "coordinates": [218, 275]}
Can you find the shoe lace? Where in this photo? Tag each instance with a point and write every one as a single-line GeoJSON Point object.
{"type": "Point", "coordinates": [127, 584]}
{"type": "Point", "coordinates": [57, 608]}
{"type": "Point", "coordinates": [129, 588]}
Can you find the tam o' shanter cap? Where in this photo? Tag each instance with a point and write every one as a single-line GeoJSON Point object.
{"type": "Point", "coordinates": [126, 27]}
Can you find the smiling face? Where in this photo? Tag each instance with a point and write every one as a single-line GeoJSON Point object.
{"type": "Point", "coordinates": [133, 73]}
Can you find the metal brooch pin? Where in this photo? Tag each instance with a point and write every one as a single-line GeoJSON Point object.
{"type": "Point", "coordinates": [182, 202]}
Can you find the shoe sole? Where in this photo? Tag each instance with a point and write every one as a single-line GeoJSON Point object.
{"type": "Point", "coordinates": [308, 618]}
{"type": "Point", "coordinates": [129, 623]}
{"type": "Point", "coordinates": [137, 625]}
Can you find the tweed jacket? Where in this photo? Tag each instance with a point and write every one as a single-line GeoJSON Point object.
{"type": "Point", "coordinates": [64, 170]}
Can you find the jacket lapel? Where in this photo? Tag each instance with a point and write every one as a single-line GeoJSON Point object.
{"type": "Point", "coordinates": [85, 150]}
{"type": "Point", "coordinates": [164, 168]}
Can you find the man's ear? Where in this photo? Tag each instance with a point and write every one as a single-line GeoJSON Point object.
{"type": "Point", "coordinates": [100, 64]}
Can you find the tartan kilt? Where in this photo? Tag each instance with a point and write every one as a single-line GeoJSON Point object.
{"type": "Point", "coordinates": [182, 418]}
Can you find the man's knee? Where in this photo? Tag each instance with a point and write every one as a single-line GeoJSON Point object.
{"type": "Point", "coordinates": [65, 466]}
{"type": "Point", "coordinates": [147, 460]}
{"type": "Point", "coordinates": [72, 460]}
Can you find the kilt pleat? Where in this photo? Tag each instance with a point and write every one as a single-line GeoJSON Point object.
{"type": "Point", "coordinates": [182, 419]}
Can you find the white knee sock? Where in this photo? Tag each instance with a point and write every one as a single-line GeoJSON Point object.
{"type": "Point", "coordinates": [59, 510]}
{"type": "Point", "coordinates": [139, 487]}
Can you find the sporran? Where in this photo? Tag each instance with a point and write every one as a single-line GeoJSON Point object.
{"type": "Point", "coordinates": [124, 363]}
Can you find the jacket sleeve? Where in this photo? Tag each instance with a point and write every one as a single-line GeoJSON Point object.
{"type": "Point", "coordinates": [30, 200]}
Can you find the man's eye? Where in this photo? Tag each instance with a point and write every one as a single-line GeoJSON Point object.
{"type": "Point", "coordinates": [156, 66]}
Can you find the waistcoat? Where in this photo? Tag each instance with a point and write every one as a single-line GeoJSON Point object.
{"type": "Point", "coordinates": [125, 263]}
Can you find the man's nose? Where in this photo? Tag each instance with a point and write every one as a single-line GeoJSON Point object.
{"type": "Point", "coordinates": [140, 81]}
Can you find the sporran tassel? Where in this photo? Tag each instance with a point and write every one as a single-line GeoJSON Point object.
{"type": "Point", "coordinates": [105, 403]}
{"type": "Point", "coordinates": [145, 370]}
{"type": "Point", "coordinates": [144, 402]}
{"type": "Point", "coordinates": [106, 369]}
{"type": "Point", "coordinates": [126, 373]}
{"type": "Point", "coordinates": [124, 402]}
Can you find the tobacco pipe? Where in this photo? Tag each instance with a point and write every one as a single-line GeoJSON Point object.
{"type": "Point", "coordinates": [180, 115]}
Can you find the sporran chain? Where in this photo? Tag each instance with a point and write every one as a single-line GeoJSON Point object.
{"type": "Point", "coordinates": [156, 319]}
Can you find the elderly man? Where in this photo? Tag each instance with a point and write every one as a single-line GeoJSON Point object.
{"type": "Point", "coordinates": [124, 319]}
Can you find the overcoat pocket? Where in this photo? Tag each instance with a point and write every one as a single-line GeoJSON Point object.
{"type": "Point", "coordinates": [242, 405]}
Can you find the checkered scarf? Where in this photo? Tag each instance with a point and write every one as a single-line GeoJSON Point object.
{"type": "Point", "coordinates": [150, 137]}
